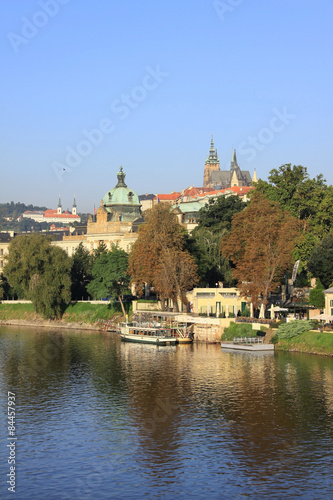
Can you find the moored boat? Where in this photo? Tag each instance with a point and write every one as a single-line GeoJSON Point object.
{"type": "Point", "coordinates": [146, 333]}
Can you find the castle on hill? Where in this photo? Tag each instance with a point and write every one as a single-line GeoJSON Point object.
{"type": "Point", "coordinates": [222, 179]}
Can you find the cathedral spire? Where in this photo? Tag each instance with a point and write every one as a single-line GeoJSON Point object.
{"type": "Point", "coordinates": [212, 158]}
{"type": "Point", "coordinates": [233, 163]}
{"type": "Point", "coordinates": [211, 164]}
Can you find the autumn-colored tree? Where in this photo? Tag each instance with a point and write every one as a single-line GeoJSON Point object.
{"type": "Point", "coordinates": [260, 246]}
{"type": "Point", "coordinates": [158, 257]}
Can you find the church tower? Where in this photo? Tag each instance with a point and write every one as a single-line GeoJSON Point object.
{"type": "Point", "coordinates": [59, 209]}
{"type": "Point", "coordinates": [211, 164]}
{"type": "Point", "coordinates": [74, 207]}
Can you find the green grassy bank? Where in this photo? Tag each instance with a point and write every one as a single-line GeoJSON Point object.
{"type": "Point", "coordinates": [78, 312]}
{"type": "Point", "coordinates": [90, 313]}
{"type": "Point", "coordinates": [311, 341]}
{"type": "Point", "coordinates": [17, 311]}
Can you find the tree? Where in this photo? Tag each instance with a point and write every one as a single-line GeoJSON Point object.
{"type": "Point", "coordinates": [214, 221]}
{"type": "Point", "coordinates": [321, 261]}
{"type": "Point", "coordinates": [158, 257]}
{"type": "Point", "coordinates": [50, 291]}
{"type": "Point", "coordinates": [310, 200]}
{"type": "Point", "coordinates": [296, 192]}
{"type": "Point", "coordinates": [260, 245]}
{"type": "Point", "coordinates": [317, 296]}
{"type": "Point", "coordinates": [110, 276]}
{"type": "Point", "coordinates": [217, 213]}
{"type": "Point", "coordinates": [41, 271]}
{"type": "Point", "coordinates": [205, 248]}
{"type": "Point", "coordinates": [81, 273]}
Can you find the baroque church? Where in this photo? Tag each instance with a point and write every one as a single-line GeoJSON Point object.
{"type": "Point", "coordinates": [222, 179]}
{"type": "Point", "coordinates": [115, 223]}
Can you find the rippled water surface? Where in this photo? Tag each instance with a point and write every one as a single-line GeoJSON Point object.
{"type": "Point", "coordinates": [96, 418]}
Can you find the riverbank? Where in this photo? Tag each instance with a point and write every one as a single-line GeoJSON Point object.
{"type": "Point", "coordinates": [84, 316]}
{"type": "Point", "coordinates": [311, 342]}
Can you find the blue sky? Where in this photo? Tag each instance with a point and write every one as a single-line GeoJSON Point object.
{"type": "Point", "coordinates": [90, 85]}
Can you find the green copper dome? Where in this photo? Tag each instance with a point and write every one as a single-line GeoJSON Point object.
{"type": "Point", "coordinates": [123, 203]}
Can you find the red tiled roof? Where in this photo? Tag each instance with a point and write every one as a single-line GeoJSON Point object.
{"type": "Point", "coordinates": [192, 191]}
{"type": "Point", "coordinates": [64, 215]}
{"type": "Point", "coordinates": [166, 197]}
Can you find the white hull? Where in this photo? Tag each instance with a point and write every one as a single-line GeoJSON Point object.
{"type": "Point", "coordinates": [145, 335]}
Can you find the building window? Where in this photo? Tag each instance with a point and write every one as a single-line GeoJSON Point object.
{"type": "Point", "coordinates": [1, 251]}
{"type": "Point", "coordinates": [331, 303]}
{"type": "Point", "coordinates": [1, 263]}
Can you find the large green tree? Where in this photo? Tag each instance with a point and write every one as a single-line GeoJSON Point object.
{"type": "Point", "coordinates": [81, 272]}
{"type": "Point", "coordinates": [310, 200]}
{"type": "Point", "coordinates": [214, 221]}
{"type": "Point", "coordinates": [217, 213]}
{"type": "Point", "coordinates": [41, 271]}
{"type": "Point", "coordinates": [321, 261]}
{"type": "Point", "coordinates": [109, 276]}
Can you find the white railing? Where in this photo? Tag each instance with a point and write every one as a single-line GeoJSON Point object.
{"type": "Point", "coordinates": [248, 340]}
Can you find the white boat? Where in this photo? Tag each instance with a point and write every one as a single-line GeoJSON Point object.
{"type": "Point", "coordinates": [146, 333]}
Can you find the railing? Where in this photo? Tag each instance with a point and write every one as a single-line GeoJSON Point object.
{"type": "Point", "coordinates": [248, 340]}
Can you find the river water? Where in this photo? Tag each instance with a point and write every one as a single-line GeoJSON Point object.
{"type": "Point", "coordinates": [97, 418]}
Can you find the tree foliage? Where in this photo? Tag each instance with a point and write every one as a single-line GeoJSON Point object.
{"type": "Point", "coordinates": [109, 275]}
{"type": "Point", "coordinates": [212, 265]}
{"type": "Point", "coordinates": [260, 245]}
{"type": "Point", "coordinates": [321, 261]}
{"type": "Point", "coordinates": [41, 271]}
{"type": "Point", "coordinates": [217, 213]}
{"type": "Point", "coordinates": [310, 200]}
{"type": "Point", "coordinates": [317, 296]}
{"type": "Point", "coordinates": [158, 257]}
{"type": "Point", "coordinates": [214, 221]}
{"type": "Point", "coordinates": [81, 272]}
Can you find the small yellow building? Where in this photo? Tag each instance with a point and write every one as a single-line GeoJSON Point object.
{"type": "Point", "coordinates": [221, 302]}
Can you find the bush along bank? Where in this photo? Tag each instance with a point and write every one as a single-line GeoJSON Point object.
{"type": "Point", "coordinates": [237, 330]}
{"type": "Point", "coordinates": [303, 336]}
{"type": "Point", "coordinates": [79, 314]}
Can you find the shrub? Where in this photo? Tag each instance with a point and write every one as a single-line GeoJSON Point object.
{"type": "Point", "coordinates": [238, 330]}
{"type": "Point", "coordinates": [290, 330]}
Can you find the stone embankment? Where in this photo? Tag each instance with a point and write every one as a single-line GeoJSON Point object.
{"type": "Point", "coordinates": [52, 324]}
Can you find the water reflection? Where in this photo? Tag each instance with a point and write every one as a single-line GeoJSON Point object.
{"type": "Point", "coordinates": [144, 420]}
